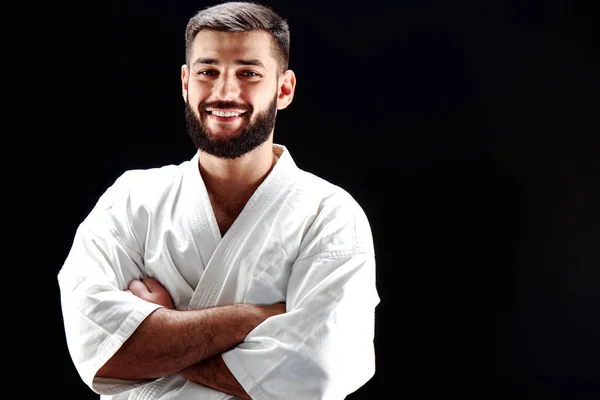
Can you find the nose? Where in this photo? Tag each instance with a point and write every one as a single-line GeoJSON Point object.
{"type": "Point", "coordinates": [227, 87]}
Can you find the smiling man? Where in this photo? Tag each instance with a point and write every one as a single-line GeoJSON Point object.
{"type": "Point", "coordinates": [234, 274]}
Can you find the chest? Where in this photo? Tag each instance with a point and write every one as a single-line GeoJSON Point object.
{"type": "Point", "coordinates": [226, 212]}
{"type": "Point", "coordinates": [252, 264]}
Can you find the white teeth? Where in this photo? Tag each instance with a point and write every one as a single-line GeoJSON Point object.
{"type": "Point", "coordinates": [226, 113]}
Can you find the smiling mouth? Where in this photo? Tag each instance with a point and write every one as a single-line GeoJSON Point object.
{"type": "Point", "coordinates": [225, 114]}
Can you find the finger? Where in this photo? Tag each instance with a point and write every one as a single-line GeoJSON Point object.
{"type": "Point", "coordinates": [153, 285]}
{"type": "Point", "coordinates": [138, 288]}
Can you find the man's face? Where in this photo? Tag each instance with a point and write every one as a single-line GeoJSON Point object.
{"type": "Point", "coordinates": [231, 90]}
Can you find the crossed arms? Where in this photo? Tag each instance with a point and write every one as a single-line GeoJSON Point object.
{"type": "Point", "coordinates": [185, 342]}
{"type": "Point", "coordinates": [321, 347]}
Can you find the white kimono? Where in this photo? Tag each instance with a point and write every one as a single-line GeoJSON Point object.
{"type": "Point", "coordinates": [299, 239]}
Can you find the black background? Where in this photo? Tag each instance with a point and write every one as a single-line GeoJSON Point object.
{"type": "Point", "coordinates": [467, 130]}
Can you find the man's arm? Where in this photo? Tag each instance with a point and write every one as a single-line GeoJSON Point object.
{"type": "Point", "coordinates": [323, 347]}
{"type": "Point", "coordinates": [168, 340]}
{"type": "Point", "coordinates": [215, 374]}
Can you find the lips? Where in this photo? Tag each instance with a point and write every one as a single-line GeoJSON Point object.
{"type": "Point", "coordinates": [225, 119]}
{"type": "Point", "coordinates": [226, 113]}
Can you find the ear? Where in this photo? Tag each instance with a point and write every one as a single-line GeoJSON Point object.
{"type": "Point", "coordinates": [287, 84]}
{"type": "Point", "coordinates": [185, 76]}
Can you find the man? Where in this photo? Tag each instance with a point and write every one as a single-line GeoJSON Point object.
{"type": "Point", "coordinates": [234, 274]}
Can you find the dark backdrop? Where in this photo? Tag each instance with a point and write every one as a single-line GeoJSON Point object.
{"type": "Point", "coordinates": [467, 130]}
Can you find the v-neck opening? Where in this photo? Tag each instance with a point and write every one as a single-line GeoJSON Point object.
{"type": "Point", "coordinates": [278, 150]}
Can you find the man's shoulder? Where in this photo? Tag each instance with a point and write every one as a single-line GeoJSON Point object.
{"type": "Point", "coordinates": [144, 185]}
{"type": "Point", "coordinates": [149, 179]}
{"type": "Point", "coordinates": [324, 191]}
{"type": "Point", "coordinates": [338, 223]}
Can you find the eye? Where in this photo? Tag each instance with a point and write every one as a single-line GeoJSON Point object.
{"type": "Point", "coordinates": [207, 72]}
{"type": "Point", "coordinates": [250, 74]}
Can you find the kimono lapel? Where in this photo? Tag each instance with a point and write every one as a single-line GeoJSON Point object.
{"type": "Point", "coordinates": [196, 206]}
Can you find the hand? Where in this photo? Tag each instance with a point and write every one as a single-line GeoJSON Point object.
{"type": "Point", "coordinates": [151, 290]}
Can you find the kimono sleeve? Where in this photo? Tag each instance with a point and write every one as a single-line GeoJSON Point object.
{"type": "Point", "coordinates": [323, 346]}
{"type": "Point", "coordinates": [98, 314]}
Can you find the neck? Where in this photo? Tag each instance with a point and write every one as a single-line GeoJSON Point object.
{"type": "Point", "coordinates": [236, 179]}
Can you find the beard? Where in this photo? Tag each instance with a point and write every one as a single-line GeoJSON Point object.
{"type": "Point", "coordinates": [252, 135]}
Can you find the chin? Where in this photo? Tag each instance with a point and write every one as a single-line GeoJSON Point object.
{"type": "Point", "coordinates": [224, 134]}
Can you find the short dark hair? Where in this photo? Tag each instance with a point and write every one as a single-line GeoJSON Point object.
{"type": "Point", "coordinates": [242, 16]}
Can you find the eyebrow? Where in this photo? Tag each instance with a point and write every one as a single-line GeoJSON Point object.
{"type": "Point", "coordinates": [212, 61]}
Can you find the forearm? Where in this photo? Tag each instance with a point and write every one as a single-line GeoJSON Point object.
{"type": "Point", "coordinates": [215, 374]}
{"type": "Point", "coordinates": [169, 340]}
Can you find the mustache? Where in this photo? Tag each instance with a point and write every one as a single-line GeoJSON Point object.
{"type": "Point", "coordinates": [225, 105]}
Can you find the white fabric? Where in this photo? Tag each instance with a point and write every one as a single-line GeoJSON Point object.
{"type": "Point", "coordinates": [299, 239]}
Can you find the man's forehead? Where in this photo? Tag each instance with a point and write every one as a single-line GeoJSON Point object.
{"type": "Point", "coordinates": [214, 44]}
